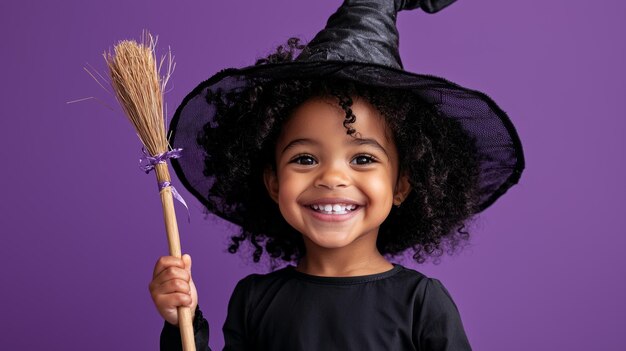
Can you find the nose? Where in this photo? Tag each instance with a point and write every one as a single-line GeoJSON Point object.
{"type": "Point", "coordinates": [332, 176]}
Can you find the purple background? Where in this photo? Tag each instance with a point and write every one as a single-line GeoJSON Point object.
{"type": "Point", "coordinates": [82, 226]}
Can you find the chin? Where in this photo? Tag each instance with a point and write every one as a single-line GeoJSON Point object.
{"type": "Point", "coordinates": [331, 243]}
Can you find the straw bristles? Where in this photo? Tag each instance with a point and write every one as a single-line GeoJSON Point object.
{"type": "Point", "coordinates": [138, 86]}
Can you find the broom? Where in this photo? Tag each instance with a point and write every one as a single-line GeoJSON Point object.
{"type": "Point", "coordinates": [138, 86]}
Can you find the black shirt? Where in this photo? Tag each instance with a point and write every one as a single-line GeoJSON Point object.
{"type": "Point", "coordinates": [400, 309]}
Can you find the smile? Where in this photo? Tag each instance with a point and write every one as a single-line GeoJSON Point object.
{"type": "Point", "coordinates": [333, 209]}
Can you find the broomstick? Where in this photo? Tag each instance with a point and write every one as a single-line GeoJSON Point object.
{"type": "Point", "coordinates": [138, 86]}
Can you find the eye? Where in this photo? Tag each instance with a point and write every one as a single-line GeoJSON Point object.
{"type": "Point", "coordinates": [363, 160]}
{"type": "Point", "coordinates": [305, 160]}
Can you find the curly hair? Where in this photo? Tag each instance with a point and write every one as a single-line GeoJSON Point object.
{"type": "Point", "coordinates": [437, 155]}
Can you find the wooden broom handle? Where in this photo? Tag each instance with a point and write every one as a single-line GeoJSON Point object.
{"type": "Point", "coordinates": [185, 322]}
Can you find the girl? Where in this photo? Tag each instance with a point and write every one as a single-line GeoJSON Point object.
{"type": "Point", "coordinates": [338, 161]}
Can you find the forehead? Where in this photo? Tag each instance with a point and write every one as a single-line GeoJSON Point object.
{"type": "Point", "coordinates": [324, 117]}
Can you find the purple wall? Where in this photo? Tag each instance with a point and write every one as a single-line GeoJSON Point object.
{"type": "Point", "coordinates": [82, 225]}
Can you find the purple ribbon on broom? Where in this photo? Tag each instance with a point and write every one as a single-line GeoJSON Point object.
{"type": "Point", "coordinates": [147, 164]}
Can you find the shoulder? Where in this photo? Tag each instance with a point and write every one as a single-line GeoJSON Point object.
{"type": "Point", "coordinates": [256, 278]}
{"type": "Point", "coordinates": [413, 280]}
{"type": "Point", "coordinates": [424, 282]}
{"type": "Point", "coordinates": [433, 301]}
{"type": "Point", "coordinates": [406, 273]}
{"type": "Point", "coordinates": [256, 281]}
{"type": "Point", "coordinates": [437, 320]}
{"type": "Point", "coordinates": [426, 290]}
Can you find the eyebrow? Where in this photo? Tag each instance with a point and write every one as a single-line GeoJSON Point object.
{"type": "Point", "coordinates": [370, 142]}
{"type": "Point", "coordinates": [357, 141]}
{"type": "Point", "coordinates": [298, 142]}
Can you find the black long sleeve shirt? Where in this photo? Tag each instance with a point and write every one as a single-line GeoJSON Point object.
{"type": "Point", "coordinates": [400, 309]}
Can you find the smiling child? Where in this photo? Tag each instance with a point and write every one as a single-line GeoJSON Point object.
{"type": "Point", "coordinates": [332, 157]}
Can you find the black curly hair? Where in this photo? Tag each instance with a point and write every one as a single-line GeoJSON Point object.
{"type": "Point", "coordinates": [437, 155]}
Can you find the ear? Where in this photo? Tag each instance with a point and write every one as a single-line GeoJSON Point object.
{"type": "Point", "coordinates": [271, 183]}
{"type": "Point", "coordinates": [403, 188]}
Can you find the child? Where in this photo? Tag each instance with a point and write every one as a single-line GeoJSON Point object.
{"type": "Point", "coordinates": [338, 160]}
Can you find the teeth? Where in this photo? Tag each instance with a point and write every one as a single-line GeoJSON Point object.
{"type": "Point", "coordinates": [334, 208]}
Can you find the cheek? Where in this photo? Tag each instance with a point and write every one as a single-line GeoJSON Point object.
{"type": "Point", "coordinates": [381, 187]}
{"type": "Point", "coordinates": [290, 186]}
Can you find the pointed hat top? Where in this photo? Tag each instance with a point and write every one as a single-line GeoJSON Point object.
{"type": "Point", "coordinates": [365, 31]}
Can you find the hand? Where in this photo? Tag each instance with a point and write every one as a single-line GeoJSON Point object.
{"type": "Point", "coordinates": [172, 286]}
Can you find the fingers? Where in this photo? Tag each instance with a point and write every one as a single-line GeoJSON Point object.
{"type": "Point", "coordinates": [172, 286]}
{"type": "Point", "coordinates": [167, 305]}
{"type": "Point", "coordinates": [187, 262]}
{"type": "Point", "coordinates": [165, 262]}
{"type": "Point", "coordinates": [172, 301]}
{"type": "Point", "coordinates": [171, 275]}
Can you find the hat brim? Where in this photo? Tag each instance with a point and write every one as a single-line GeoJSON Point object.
{"type": "Point", "coordinates": [499, 147]}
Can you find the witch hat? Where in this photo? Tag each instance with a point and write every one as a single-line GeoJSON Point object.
{"type": "Point", "coordinates": [360, 44]}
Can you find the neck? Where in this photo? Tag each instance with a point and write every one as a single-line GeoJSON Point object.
{"type": "Point", "coordinates": [342, 262]}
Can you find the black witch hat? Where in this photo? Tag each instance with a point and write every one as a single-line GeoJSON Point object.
{"type": "Point", "coordinates": [360, 44]}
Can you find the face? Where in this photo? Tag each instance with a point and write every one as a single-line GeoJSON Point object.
{"type": "Point", "coordinates": [335, 189]}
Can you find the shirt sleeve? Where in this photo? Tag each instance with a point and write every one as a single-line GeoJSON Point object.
{"type": "Point", "coordinates": [439, 326]}
{"type": "Point", "coordinates": [170, 335]}
{"type": "Point", "coordinates": [236, 336]}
